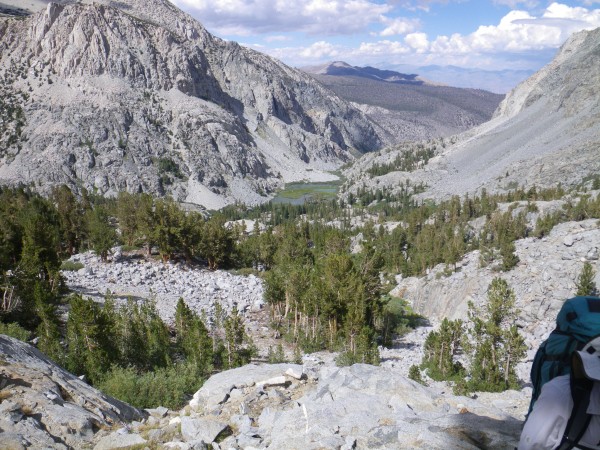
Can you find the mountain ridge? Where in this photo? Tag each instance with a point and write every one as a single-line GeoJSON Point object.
{"type": "Point", "coordinates": [408, 107]}
{"type": "Point", "coordinates": [340, 68]}
{"type": "Point", "coordinates": [123, 89]}
{"type": "Point", "coordinates": [545, 131]}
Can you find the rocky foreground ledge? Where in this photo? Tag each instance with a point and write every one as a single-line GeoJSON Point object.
{"type": "Point", "coordinates": [281, 406]}
{"type": "Point", "coordinates": [44, 406]}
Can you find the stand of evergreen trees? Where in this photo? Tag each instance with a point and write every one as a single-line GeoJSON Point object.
{"type": "Point", "coordinates": [321, 296]}
{"type": "Point", "coordinates": [130, 353]}
{"type": "Point", "coordinates": [489, 342]}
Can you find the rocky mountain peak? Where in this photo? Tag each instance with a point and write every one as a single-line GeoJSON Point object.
{"type": "Point", "coordinates": [138, 96]}
{"type": "Point", "coordinates": [566, 82]}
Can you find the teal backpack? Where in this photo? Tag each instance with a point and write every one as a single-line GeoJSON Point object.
{"type": "Point", "coordinates": [577, 323]}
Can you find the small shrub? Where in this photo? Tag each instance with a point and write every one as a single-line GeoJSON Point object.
{"type": "Point", "coordinates": [170, 387]}
{"type": "Point", "coordinates": [414, 373]}
{"type": "Point", "coordinates": [15, 330]}
{"type": "Point", "coordinates": [167, 165]}
{"type": "Point", "coordinates": [71, 266]}
{"type": "Point", "coordinates": [277, 355]}
{"type": "Point", "coordinates": [398, 319]}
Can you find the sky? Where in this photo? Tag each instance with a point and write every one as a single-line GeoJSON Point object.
{"type": "Point", "coordinates": [483, 34]}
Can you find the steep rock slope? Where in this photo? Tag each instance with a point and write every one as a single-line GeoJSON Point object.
{"type": "Point", "coordinates": [408, 107]}
{"type": "Point", "coordinates": [546, 131]}
{"type": "Point", "coordinates": [137, 95]}
{"type": "Point", "coordinates": [44, 406]}
{"type": "Point", "coordinates": [545, 276]}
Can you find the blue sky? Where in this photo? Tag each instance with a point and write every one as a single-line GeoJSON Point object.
{"type": "Point", "coordinates": [490, 35]}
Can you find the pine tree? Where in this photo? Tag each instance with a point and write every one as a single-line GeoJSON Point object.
{"type": "Point", "coordinates": [192, 338]}
{"type": "Point", "coordinates": [127, 207]}
{"type": "Point", "coordinates": [41, 242]}
{"type": "Point", "coordinates": [441, 349]}
{"type": "Point", "coordinates": [167, 230]}
{"type": "Point", "coordinates": [90, 342]}
{"type": "Point", "coordinates": [141, 336]}
{"type": "Point", "coordinates": [509, 258]}
{"type": "Point", "coordinates": [496, 344]}
{"type": "Point", "coordinates": [48, 330]}
{"type": "Point", "coordinates": [101, 233]}
{"type": "Point", "coordinates": [238, 346]}
{"type": "Point", "coordinates": [216, 243]}
{"type": "Point", "coordinates": [146, 222]}
{"type": "Point", "coordinates": [190, 234]}
{"type": "Point", "coordinates": [585, 283]}
{"type": "Point", "coordinates": [71, 219]}
{"type": "Point", "coordinates": [266, 248]}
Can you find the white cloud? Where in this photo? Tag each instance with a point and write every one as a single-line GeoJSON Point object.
{"type": "Point", "coordinates": [519, 31]}
{"type": "Point", "coordinates": [399, 26]}
{"type": "Point", "coordinates": [278, 38]}
{"type": "Point", "coordinates": [319, 50]}
{"type": "Point", "coordinates": [418, 42]}
{"type": "Point", "coordinates": [424, 5]}
{"type": "Point", "coordinates": [245, 17]}
{"type": "Point", "coordinates": [381, 48]}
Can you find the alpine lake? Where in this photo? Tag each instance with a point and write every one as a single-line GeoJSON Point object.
{"type": "Point", "coordinates": [299, 193]}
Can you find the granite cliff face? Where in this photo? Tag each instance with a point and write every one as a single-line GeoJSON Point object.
{"type": "Point", "coordinates": [138, 96]}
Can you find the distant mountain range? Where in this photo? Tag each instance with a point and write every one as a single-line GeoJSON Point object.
{"type": "Point", "coordinates": [342, 69]}
{"type": "Point", "coordinates": [407, 106]}
{"type": "Point", "coordinates": [546, 131]}
{"type": "Point", "coordinates": [498, 81]}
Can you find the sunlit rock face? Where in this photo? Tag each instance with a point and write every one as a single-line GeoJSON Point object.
{"type": "Point", "coordinates": [138, 96]}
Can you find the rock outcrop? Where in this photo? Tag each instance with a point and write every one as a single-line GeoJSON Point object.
{"type": "Point", "coordinates": [43, 406]}
{"type": "Point", "coordinates": [280, 406]}
{"type": "Point", "coordinates": [138, 96]}
{"type": "Point", "coordinates": [317, 405]}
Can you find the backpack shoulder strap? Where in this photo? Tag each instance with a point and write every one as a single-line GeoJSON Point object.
{"type": "Point", "coordinates": [581, 389]}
